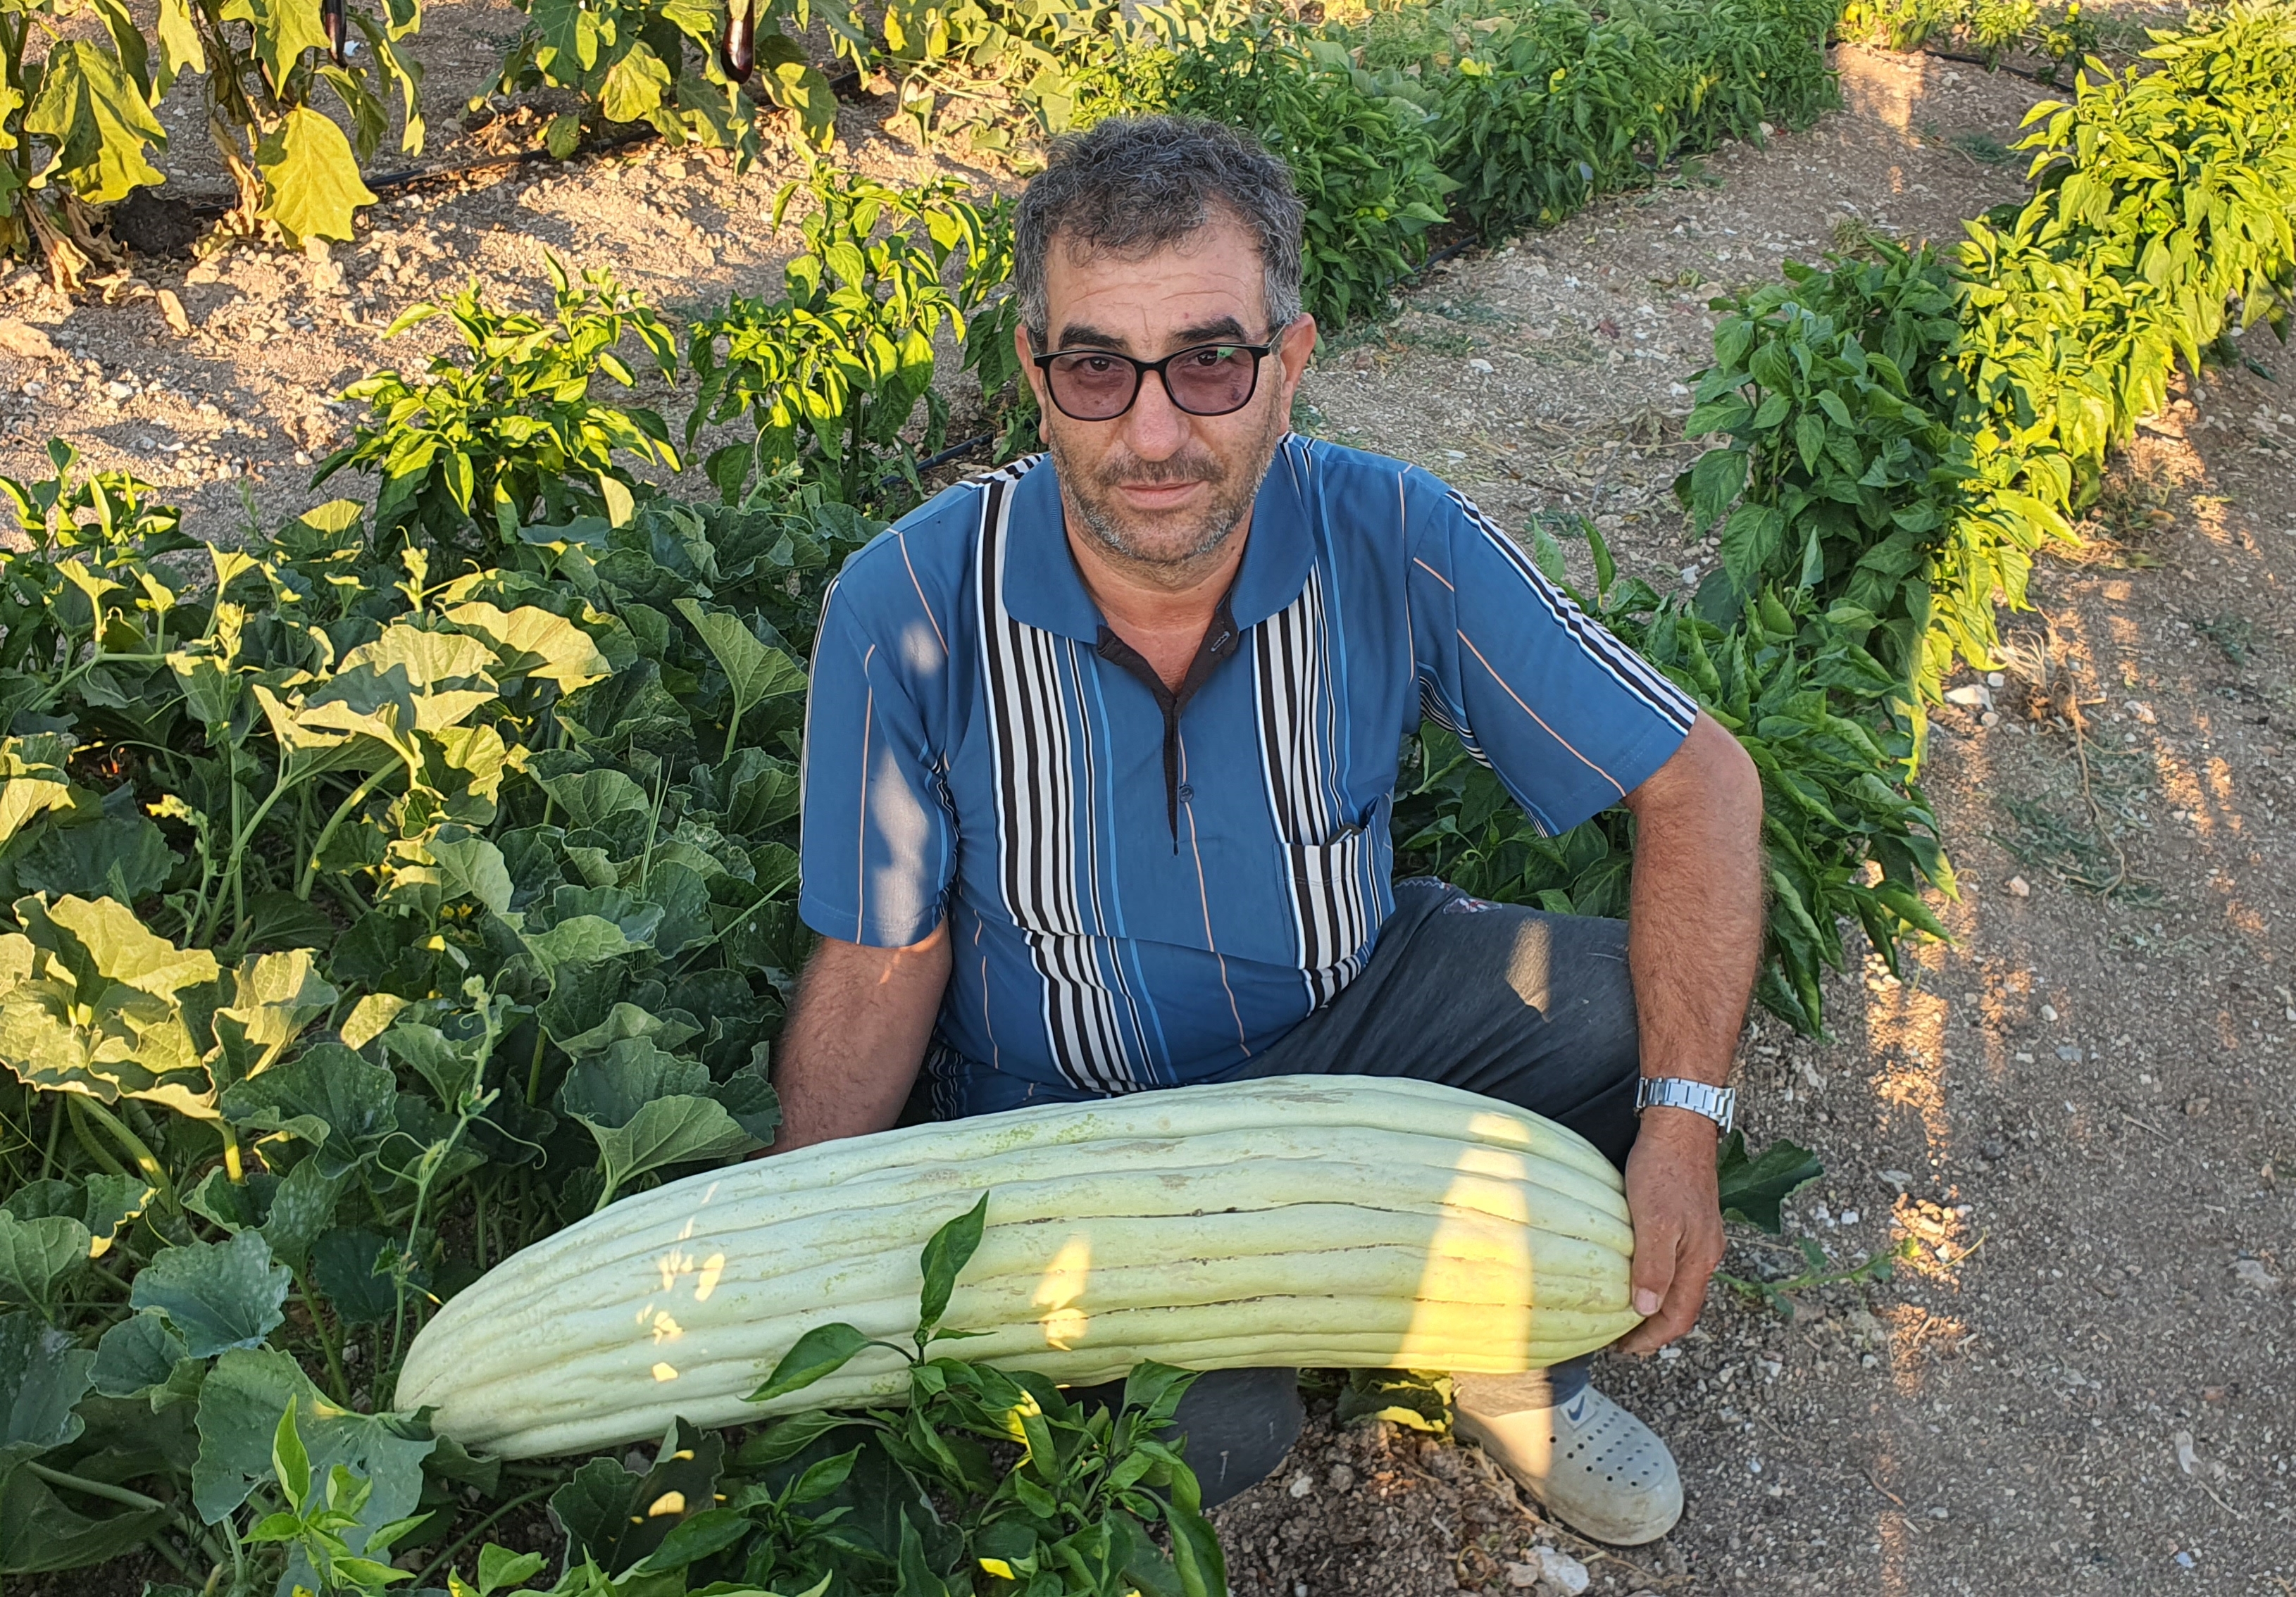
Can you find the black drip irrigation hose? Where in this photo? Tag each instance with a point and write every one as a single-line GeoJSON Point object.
{"type": "Point", "coordinates": [2049, 82]}
{"type": "Point", "coordinates": [1455, 246]}
{"type": "Point", "coordinates": [955, 452]}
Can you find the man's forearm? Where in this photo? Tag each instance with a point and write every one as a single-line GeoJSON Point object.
{"type": "Point", "coordinates": [1694, 936]}
{"type": "Point", "coordinates": [1694, 940]}
{"type": "Point", "coordinates": [849, 1052]}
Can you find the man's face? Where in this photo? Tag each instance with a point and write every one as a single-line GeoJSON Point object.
{"type": "Point", "coordinates": [1156, 488]}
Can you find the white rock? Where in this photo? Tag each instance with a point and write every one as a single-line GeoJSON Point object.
{"type": "Point", "coordinates": [2019, 888]}
{"type": "Point", "coordinates": [2252, 1272]}
{"type": "Point", "coordinates": [1479, 365]}
{"type": "Point", "coordinates": [1561, 1571]}
{"type": "Point", "coordinates": [2048, 1012]}
{"type": "Point", "coordinates": [1302, 1483]}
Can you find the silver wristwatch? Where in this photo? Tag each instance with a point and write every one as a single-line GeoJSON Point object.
{"type": "Point", "coordinates": [1718, 1105]}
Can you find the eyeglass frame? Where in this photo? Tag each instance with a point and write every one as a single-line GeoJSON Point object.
{"type": "Point", "coordinates": [1141, 368]}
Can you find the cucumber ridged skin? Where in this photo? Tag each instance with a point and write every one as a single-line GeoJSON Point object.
{"type": "Point", "coordinates": [1328, 1221]}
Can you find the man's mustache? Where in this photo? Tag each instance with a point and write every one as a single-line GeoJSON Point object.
{"type": "Point", "coordinates": [1134, 472]}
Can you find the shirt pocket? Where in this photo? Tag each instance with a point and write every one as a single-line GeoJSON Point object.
{"type": "Point", "coordinates": [1334, 903]}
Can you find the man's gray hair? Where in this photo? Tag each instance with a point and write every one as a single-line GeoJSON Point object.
{"type": "Point", "coordinates": [1133, 185]}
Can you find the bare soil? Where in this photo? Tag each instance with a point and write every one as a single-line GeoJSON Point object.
{"type": "Point", "coordinates": [2079, 1109]}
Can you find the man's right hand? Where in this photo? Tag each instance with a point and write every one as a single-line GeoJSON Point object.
{"type": "Point", "coordinates": [852, 1048]}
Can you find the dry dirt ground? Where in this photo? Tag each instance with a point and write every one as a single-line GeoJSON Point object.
{"type": "Point", "coordinates": [2079, 1110]}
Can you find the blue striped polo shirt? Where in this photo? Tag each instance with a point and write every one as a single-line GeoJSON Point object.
{"type": "Point", "coordinates": [1131, 909]}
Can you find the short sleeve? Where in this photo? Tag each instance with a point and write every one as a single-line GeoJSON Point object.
{"type": "Point", "coordinates": [877, 843]}
{"type": "Point", "coordinates": [1569, 719]}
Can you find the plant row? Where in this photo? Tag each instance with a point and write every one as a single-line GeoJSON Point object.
{"type": "Point", "coordinates": [1904, 431]}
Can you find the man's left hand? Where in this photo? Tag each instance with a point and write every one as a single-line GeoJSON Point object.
{"type": "Point", "coordinates": [1671, 1192]}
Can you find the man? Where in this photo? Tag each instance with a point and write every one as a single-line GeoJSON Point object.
{"type": "Point", "coordinates": [1101, 752]}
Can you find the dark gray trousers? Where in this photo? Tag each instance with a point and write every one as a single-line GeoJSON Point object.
{"type": "Point", "coordinates": [1535, 1010]}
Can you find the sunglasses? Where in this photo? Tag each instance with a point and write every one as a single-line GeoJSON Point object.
{"type": "Point", "coordinates": [1204, 380]}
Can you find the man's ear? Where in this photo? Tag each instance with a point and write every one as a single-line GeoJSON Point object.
{"type": "Point", "coordinates": [1027, 351]}
{"type": "Point", "coordinates": [1296, 345]}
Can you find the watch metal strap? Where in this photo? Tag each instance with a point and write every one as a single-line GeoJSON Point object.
{"type": "Point", "coordinates": [1718, 1105]}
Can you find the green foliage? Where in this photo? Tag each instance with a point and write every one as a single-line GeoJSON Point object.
{"type": "Point", "coordinates": [1543, 105]}
{"type": "Point", "coordinates": [260, 65]}
{"type": "Point", "coordinates": [1816, 1272]}
{"type": "Point", "coordinates": [1845, 834]}
{"type": "Point", "coordinates": [391, 896]}
{"type": "Point", "coordinates": [509, 434]}
{"type": "Point", "coordinates": [1836, 391]}
{"type": "Point", "coordinates": [1364, 160]}
{"type": "Point", "coordinates": [380, 899]}
{"type": "Point", "coordinates": [1906, 432]}
{"type": "Point", "coordinates": [2058, 34]}
{"type": "Point", "coordinates": [831, 374]}
{"type": "Point", "coordinates": [990, 72]}
{"type": "Point", "coordinates": [320, 1521]}
{"type": "Point", "coordinates": [664, 63]}
{"type": "Point", "coordinates": [1751, 1189]}
{"type": "Point", "coordinates": [2164, 212]}
{"type": "Point", "coordinates": [77, 130]}
{"type": "Point", "coordinates": [1070, 1518]}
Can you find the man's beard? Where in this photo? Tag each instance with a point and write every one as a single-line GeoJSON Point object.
{"type": "Point", "coordinates": [1165, 544]}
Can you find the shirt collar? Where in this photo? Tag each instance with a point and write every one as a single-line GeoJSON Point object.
{"type": "Point", "coordinates": [1043, 589]}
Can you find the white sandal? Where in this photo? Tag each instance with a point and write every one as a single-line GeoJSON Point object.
{"type": "Point", "coordinates": [1596, 1468]}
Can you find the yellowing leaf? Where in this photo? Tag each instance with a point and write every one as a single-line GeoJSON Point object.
{"type": "Point", "coordinates": [98, 119]}
{"type": "Point", "coordinates": [533, 641]}
{"type": "Point", "coordinates": [635, 86]}
{"type": "Point", "coordinates": [32, 779]}
{"type": "Point", "coordinates": [311, 183]}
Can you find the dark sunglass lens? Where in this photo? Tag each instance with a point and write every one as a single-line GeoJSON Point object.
{"type": "Point", "coordinates": [1213, 381]}
{"type": "Point", "coordinates": [1092, 388]}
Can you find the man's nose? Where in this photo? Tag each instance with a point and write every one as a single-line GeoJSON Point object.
{"type": "Point", "coordinates": [1154, 428]}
